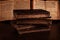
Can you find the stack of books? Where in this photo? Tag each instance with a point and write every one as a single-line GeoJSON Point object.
{"type": "Point", "coordinates": [29, 21]}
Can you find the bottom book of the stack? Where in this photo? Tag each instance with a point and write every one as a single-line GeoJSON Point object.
{"type": "Point", "coordinates": [22, 29]}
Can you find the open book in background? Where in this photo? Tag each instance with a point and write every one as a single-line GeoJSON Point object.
{"type": "Point", "coordinates": [51, 6]}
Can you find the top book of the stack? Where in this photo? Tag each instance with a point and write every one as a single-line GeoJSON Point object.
{"type": "Point", "coordinates": [32, 14]}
